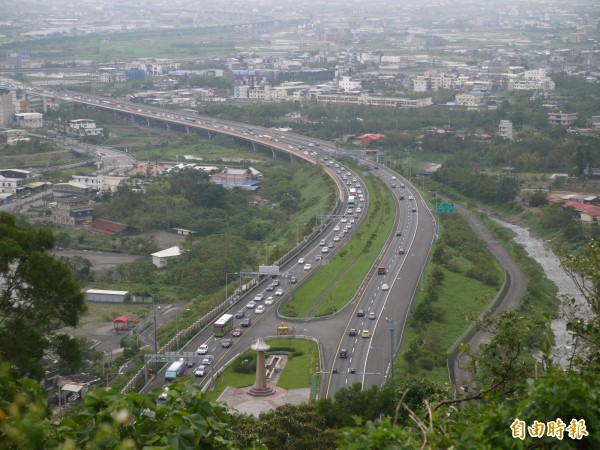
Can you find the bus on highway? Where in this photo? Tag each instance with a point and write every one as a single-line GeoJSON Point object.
{"type": "Point", "coordinates": [223, 324]}
{"type": "Point", "coordinates": [350, 200]}
{"type": "Point", "coordinates": [175, 370]}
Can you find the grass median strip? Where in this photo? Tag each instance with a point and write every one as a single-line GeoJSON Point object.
{"type": "Point", "coordinates": [334, 285]}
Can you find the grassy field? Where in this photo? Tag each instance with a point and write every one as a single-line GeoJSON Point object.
{"type": "Point", "coordinates": [330, 288]}
{"type": "Point", "coordinates": [296, 374]}
{"type": "Point", "coordinates": [462, 299]}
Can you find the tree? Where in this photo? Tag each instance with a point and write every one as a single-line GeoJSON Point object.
{"type": "Point", "coordinates": [37, 293]}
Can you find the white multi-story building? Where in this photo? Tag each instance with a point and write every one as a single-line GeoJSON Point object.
{"type": "Point", "coordinates": [348, 84]}
{"type": "Point", "coordinates": [531, 80]}
{"type": "Point", "coordinates": [84, 127]}
{"type": "Point", "coordinates": [505, 129]}
{"type": "Point", "coordinates": [29, 120]}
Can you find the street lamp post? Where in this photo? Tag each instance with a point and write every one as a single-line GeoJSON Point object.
{"type": "Point", "coordinates": [390, 322]}
{"type": "Point", "coordinates": [226, 282]}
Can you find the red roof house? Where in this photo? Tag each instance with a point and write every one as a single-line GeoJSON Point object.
{"type": "Point", "coordinates": [367, 138]}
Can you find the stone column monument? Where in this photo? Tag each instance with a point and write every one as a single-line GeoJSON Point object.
{"type": "Point", "coordinates": [260, 388]}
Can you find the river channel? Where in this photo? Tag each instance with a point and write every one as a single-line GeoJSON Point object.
{"type": "Point", "coordinates": [540, 251]}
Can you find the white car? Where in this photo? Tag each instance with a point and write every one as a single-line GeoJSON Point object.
{"type": "Point", "coordinates": [385, 287]}
{"type": "Point", "coordinates": [344, 220]}
{"type": "Point", "coordinates": [260, 309]}
{"type": "Point", "coordinates": [269, 301]}
{"type": "Point", "coordinates": [325, 250]}
{"type": "Point", "coordinates": [258, 297]}
{"type": "Point", "coordinates": [202, 350]}
{"type": "Point", "coordinates": [163, 395]}
{"type": "Point", "coordinates": [358, 210]}
{"type": "Point", "coordinates": [208, 360]}
{"type": "Point", "coordinates": [301, 261]}
{"type": "Point", "coordinates": [410, 197]}
{"type": "Point", "coordinates": [336, 228]}
{"type": "Point", "coordinates": [336, 238]}
{"type": "Point", "coordinates": [307, 266]}
{"type": "Point", "coordinates": [279, 292]}
{"type": "Point", "coordinates": [251, 304]}
{"type": "Point", "coordinates": [200, 371]}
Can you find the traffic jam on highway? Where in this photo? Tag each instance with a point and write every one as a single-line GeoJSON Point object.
{"type": "Point", "coordinates": [360, 351]}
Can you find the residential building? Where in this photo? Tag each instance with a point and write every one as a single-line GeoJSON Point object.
{"type": "Point", "coordinates": [348, 84]}
{"type": "Point", "coordinates": [71, 210]}
{"type": "Point", "coordinates": [561, 118]}
{"type": "Point", "coordinates": [531, 80]}
{"type": "Point", "coordinates": [470, 100]}
{"type": "Point", "coordinates": [71, 188]}
{"type": "Point", "coordinates": [84, 128]}
{"type": "Point", "coordinates": [15, 135]}
{"type": "Point", "coordinates": [15, 181]}
{"type": "Point", "coordinates": [505, 129]}
{"type": "Point", "coordinates": [159, 259]}
{"type": "Point", "coordinates": [231, 176]}
{"type": "Point", "coordinates": [29, 120]}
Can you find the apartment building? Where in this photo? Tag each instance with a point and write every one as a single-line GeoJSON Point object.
{"type": "Point", "coordinates": [505, 129]}
{"type": "Point", "coordinates": [17, 180]}
{"type": "Point", "coordinates": [562, 119]}
{"type": "Point", "coordinates": [366, 99]}
{"type": "Point", "coordinates": [71, 210]}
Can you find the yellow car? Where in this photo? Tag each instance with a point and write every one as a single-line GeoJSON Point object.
{"type": "Point", "coordinates": [366, 334]}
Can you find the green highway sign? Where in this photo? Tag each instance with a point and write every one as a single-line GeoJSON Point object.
{"type": "Point", "coordinates": [444, 207]}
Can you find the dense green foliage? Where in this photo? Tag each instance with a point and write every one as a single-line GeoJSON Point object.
{"type": "Point", "coordinates": [479, 185]}
{"type": "Point", "coordinates": [37, 294]}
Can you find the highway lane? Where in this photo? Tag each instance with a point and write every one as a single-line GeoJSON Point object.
{"type": "Point", "coordinates": [368, 359]}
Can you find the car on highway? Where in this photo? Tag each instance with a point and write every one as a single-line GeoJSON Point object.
{"type": "Point", "coordinates": [344, 220]}
{"type": "Point", "coordinates": [410, 197]}
{"type": "Point", "coordinates": [200, 371]}
{"type": "Point", "coordinates": [401, 251]}
{"type": "Point", "coordinates": [360, 313]}
{"type": "Point", "coordinates": [293, 280]}
{"type": "Point", "coordinates": [226, 343]}
{"type": "Point", "coordinates": [358, 210]}
{"type": "Point", "coordinates": [258, 297]}
{"type": "Point", "coordinates": [270, 287]}
{"type": "Point", "coordinates": [325, 250]}
{"type": "Point", "coordinates": [237, 332]}
{"type": "Point", "coordinates": [372, 316]}
{"type": "Point", "coordinates": [393, 178]}
{"type": "Point", "coordinates": [279, 292]}
{"type": "Point", "coordinates": [251, 304]}
{"type": "Point", "coordinates": [352, 332]}
{"type": "Point", "coordinates": [365, 334]}
{"type": "Point", "coordinates": [208, 360]}
{"type": "Point", "coordinates": [269, 301]}
{"type": "Point", "coordinates": [301, 261]}
{"type": "Point", "coordinates": [336, 238]}
{"type": "Point", "coordinates": [307, 266]}
{"type": "Point", "coordinates": [322, 243]}
{"type": "Point", "coordinates": [336, 228]}
{"type": "Point", "coordinates": [164, 393]}
{"type": "Point", "coordinates": [260, 309]}
{"type": "Point", "coordinates": [240, 314]}
{"type": "Point", "coordinates": [330, 245]}
{"type": "Point", "coordinates": [398, 233]}
{"type": "Point", "coordinates": [343, 353]}
{"type": "Point", "coordinates": [202, 350]}
{"type": "Point", "coordinates": [246, 322]}
{"type": "Point", "coordinates": [414, 210]}
{"type": "Point", "coordinates": [385, 287]}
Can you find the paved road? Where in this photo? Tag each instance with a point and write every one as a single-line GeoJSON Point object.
{"type": "Point", "coordinates": [514, 292]}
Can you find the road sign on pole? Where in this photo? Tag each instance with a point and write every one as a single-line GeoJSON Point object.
{"type": "Point", "coordinates": [444, 207]}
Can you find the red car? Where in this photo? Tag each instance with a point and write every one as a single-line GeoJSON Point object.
{"type": "Point", "coordinates": [237, 332]}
